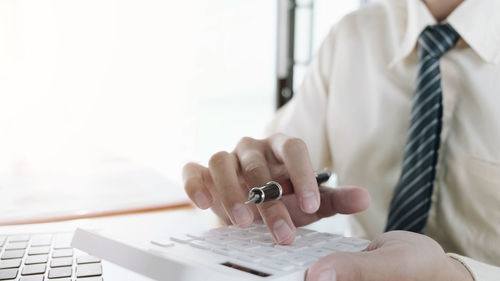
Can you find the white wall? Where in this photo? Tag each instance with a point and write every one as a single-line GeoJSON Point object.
{"type": "Point", "coordinates": [154, 83]}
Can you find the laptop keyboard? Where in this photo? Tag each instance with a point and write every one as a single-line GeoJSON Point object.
{"type": "Point", "coordinates": [39, 257]}
{"type": "Point", "coordinates": [255, 245]}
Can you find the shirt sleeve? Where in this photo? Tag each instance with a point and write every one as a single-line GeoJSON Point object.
{"type": "Point", "coordinates": [304, 116]}
{"type": "Point", "coordinates": [479, 271]}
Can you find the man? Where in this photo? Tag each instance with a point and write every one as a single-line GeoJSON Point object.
{"type": "Point", "coordinates": [402, 99]}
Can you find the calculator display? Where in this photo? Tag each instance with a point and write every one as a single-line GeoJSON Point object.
{"type": "Point", "coordinates": [246, 269]}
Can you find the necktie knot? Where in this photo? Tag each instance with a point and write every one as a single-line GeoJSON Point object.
{"type": "Point", "coordinates": [436, 40]}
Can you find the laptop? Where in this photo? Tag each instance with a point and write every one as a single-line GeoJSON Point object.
{"type": "Point", "coordinates": [224, 253]}
{"type": "Point", "coordinates": [42, 252]}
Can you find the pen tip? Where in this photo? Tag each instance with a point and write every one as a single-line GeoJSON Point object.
{"type": "Point", "coordinates": [251, 199]}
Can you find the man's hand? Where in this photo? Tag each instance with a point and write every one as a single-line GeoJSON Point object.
{"type": "Point", "coordinates": [224, 186]}
{"type": "Point", "coordinates": [393, 256]}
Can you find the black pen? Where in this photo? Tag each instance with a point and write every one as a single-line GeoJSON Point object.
{"type": "Point", "coordinates": [273, 190]}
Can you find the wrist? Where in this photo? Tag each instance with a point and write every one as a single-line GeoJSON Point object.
{"type": "Point", "coordinates": [458, 270]}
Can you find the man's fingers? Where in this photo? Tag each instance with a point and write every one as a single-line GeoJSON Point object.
{"type": "Point", "coordinates": [256, 173]}
{"type": "Point", "coordinates": [196, 185]}
{"type": "Point", "coordinates": [223, 169]}
{"type": "Point", "coordinates": [343, 200]}
{"type": "Point", "coordinates": [294, 154]}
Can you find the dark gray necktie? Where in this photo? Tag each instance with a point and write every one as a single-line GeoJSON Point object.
{"type": "Point", "coordinates": [411, 202]}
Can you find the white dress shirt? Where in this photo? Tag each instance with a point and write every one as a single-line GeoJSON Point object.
{"type": "Point", "coordinates": [353, 109]}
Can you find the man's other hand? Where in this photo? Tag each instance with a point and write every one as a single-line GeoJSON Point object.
{"type": "Point", "coordinates": [392, 256]}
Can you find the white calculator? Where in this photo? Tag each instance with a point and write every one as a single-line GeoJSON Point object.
{"type": "Point", "coordinates": [225, 253]}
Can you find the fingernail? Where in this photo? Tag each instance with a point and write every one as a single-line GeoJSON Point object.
{"type": "Point", "coordinates": [241, 214]}
{"type": "Point", "coordinates": [327, 275]}
{"type": "Point", "coordinates": [309, 202]}
{"type": "Point", "coordinates": [281, 230]}
{"type": "Point", "coordinates": [201, 200]}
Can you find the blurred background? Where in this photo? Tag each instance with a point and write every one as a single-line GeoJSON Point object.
{"type": "Point", "coordinates": [105, 86]}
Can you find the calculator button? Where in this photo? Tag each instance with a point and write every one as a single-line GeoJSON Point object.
{"type": "Point", "coordinates": [263, 241]}
{"type": "Point", "coordinates": [337, 246]}
{"type": "Point", "coordinates": [294, 247]}
{"type": "Point", "coordinates": [181, 239]}
{"type": "Point", "coordinates": [200, 235]}
{"type": "Point", "coordinates": [270, 252]}
{"type": "Point", "coordinates": [218, 239]}
{"type": "Point", "coordinates": [244, 235]}
{"type": "Point", "coordinates": [201, 244]}
{"type": "Point", "coordinates": [277, 264]}
{"type": "Point", "coordinates": [355, 242]}
{"type": "Point", "coordinates": [162, 243]}
{"type": "Point", "coordinates": [249, 257]}
{"type": "Point", "coordinates": [225, 251]}
{"type": "Point", "coordinates": [303, 232]}
{"type": "Point", "coordinates": [243, 245]}
{"type": "Point", "coordinates": [260, 230]}
{"type": "Point", "coordinates": [317, 252]}
{"type": "Point", "coordinates": [298, 259]}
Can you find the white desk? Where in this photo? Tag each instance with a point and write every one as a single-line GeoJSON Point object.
{"type": "Point", "coordinates": [135, 225]}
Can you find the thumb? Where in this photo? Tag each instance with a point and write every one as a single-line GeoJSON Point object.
{"type": "Point", "coordinates": [347, 267]}
{"type": "Point", "coordinates": [342, 200]}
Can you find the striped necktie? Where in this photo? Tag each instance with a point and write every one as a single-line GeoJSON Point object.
{"type": "Point", "coordinates": [411, 202]}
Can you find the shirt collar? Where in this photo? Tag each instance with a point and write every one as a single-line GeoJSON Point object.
{"type": "Point", "coordinates": [476, 21]}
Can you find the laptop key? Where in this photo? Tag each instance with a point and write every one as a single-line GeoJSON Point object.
{"type": "Point", "coordinates": [10, 263]}
{"type": "Point", "coordinates": [34, 278]}
{"type": "Point", "coordinates": [16, 246]}
{"type": "Point", "coordinates": [12, 254]}
{"type": "Point", "coordinates": [38, 250]}
{"type": "Point", "coordinates": [87, 270]}
{"type": "Point", "coordinates": [33, 269]}
{"type": "Point", "coordinates": [8, 274]}
{"type": "Point", "coordinates": [62, 241]}
{"type": "Point", "coordinates": [60, 272]}
{"type": "Point", "coordinates": [2, 240]}
{"type": "Point", "coordinates": [62, 253]}
{"type": "Point", "coordinates": [87, 259]}
{"type": "Point", "coordinates": [19, 238]}
{"type": "Point", "coordinates": [36, 259]}
{"type": "Point", "coordinates": [60, 262]}
{"type": "Point", "coordinates": [41, 240]}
